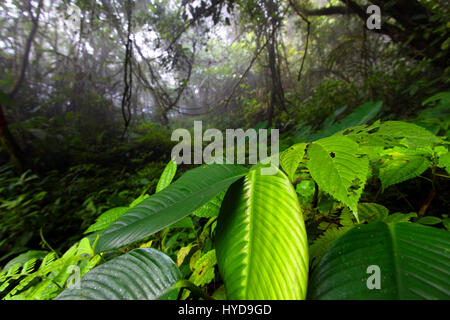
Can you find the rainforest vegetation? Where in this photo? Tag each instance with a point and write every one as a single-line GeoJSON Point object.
{"type": "Point", "coordinates": [94, 206]}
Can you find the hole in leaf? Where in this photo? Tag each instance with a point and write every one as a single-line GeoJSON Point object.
{"type": "Point", "coordinates": [356, 184]}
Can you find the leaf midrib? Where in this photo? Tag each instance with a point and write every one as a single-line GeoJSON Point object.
{"type": "Point", "coordinates": [396, 262]}
{"type": "Point", "coordinates": [108, 235]}
{"type": "Point", "coordinates": [251, 179]}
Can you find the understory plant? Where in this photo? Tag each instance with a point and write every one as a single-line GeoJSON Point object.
{"type": "Point", "coordinates": [256, 229]}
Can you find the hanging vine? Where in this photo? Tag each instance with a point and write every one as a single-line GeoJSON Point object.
{"type": "Point", "coordinates": [308, 32]}
{"type": "Point", "coordinates": [128, 72]}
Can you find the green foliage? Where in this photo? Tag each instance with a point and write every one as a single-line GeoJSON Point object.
{"type": "Point", "coordinates": [372, 212]}
{"type": "Point", "coordinates": [406, 134]}
{"type": "Point", "coordinates": [291, 158]}
{"type": "Point", "coordinates": [329, 97]}
{"type": "Point", "coordinates": [229, 231]}
{"type": "Point", "coordinates": [24, 258]}
{"type": "Point", "coordinates": [141, 274]}
{"type": "Point", "coordinates": [203, 269]}
{"type": "Point", "coordinates": [435, 117]}
{"type": "Point", "coordinates": [5, 99]}
{"type": "Point", "coordinates": [34, 201]}
{"type": "Point", "coordinates": [401, 164]}
{"type": "Point", "coordinates": [244, 226]}
{"type": "Point", "coordinates": [111, 215]}
{"type": "Point", "coordinates": [364, 126]}
{"type": "Point", "coordinates": [444, 161]}
{"type": "Point", "coordinates": [44, 277]}
{"type": "Point", "coordinates": [412, 261]}
{"type": "Point", "coordinates": [339, 168]}
{"type": "Point", "coordinates": [360, 116]}
{"type": "Point", "coordinates": [167, 176]}
{"type": "Point", "coordinates": [430, 220]}
{"type": "Point", "coordinates": [256, 262]}
{"type": "Point", "coordinates": [394, 151]}
{"type": "Point", "coordinates": [367, 213]}
{"type": "Point", "coordinates": [106, 219]}
{"type": "Point", "coordinates": [305, 190]}
{"type": "Point", "coordinates": [169, 205]}
{"type": "Point", "coordinates": [212, 208]}
{"type": "Point", "coordinates": [322, 243]}
{"type": "Point", "coordinates": [400, 217]}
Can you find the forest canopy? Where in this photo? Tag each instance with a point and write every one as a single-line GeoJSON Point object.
{"type": "Point", "coordinates": [355, 93]}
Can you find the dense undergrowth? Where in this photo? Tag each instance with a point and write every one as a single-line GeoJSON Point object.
{"type": "Point", "coordinates": [93, 207]}
{"type": "Point", "coordinates": [58, 199]}
{"type": "Point", "coordinates": [351, 171]}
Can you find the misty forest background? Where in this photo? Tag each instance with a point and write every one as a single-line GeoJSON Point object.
{"type": "Point", "coordinates": [91, 90]}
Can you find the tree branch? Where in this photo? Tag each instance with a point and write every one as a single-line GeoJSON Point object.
{"type": "Point", "coordinates": [26, 55]}
{"type": "Point", "coordinates": [351, 7]}
{"type": "Point", "coordinates": [327, 11]}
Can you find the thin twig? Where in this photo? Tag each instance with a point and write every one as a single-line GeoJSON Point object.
{"type": "Point", "coordinates": [244, 75]}
{"type": "Point", "coordinates": [307, 37]}
{"type": "Point", "coordinates": [47, 244]}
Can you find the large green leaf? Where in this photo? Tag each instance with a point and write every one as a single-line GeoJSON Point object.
{"type": "Point", "coordinates": [338, 168]}
{"type": "Point", "coordinates": [291, 157]}
{"type": "Point", "coordinates": [261, 244]}
{"type": "Point", "coordinates": [360, 116]}
{"type": "Point", "coordinates": [413, 260]}
{"type": "Point", "coordinates": [191, 191]}
{"type": "Point", "coordinates": [443, 96]}
{"type": "Point", "coordinates": [407, 134]}
{"type": "Point", "coordinates": [401, 165]}
{"type": "Point", "coordinates": [141, 274]}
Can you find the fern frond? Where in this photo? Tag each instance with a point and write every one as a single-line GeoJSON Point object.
{"type": "Point", "coordinates": [28, 267]}
{"type": "Point", "coordinates": [22, 284]}
{"type": "Point", "coordinates": [346, 218]}
{"type": "Point", "coordinates": [2, 276]}
{"type": "Point", "coordinates": [321, 244]}
{"type": "Point", "coordinates": [372, 212]}
{"type": "Point", "coordinates": [4, 285]}
{"type": "Point", "coordinates": [48, 260]}
{"type": "Point", "coordinates": [13, 271]}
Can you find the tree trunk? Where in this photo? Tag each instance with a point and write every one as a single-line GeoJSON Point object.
{"type": "Point", "coordinates": [6, 138]}
{"type": "Point", "coordinates": [10, 145]}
